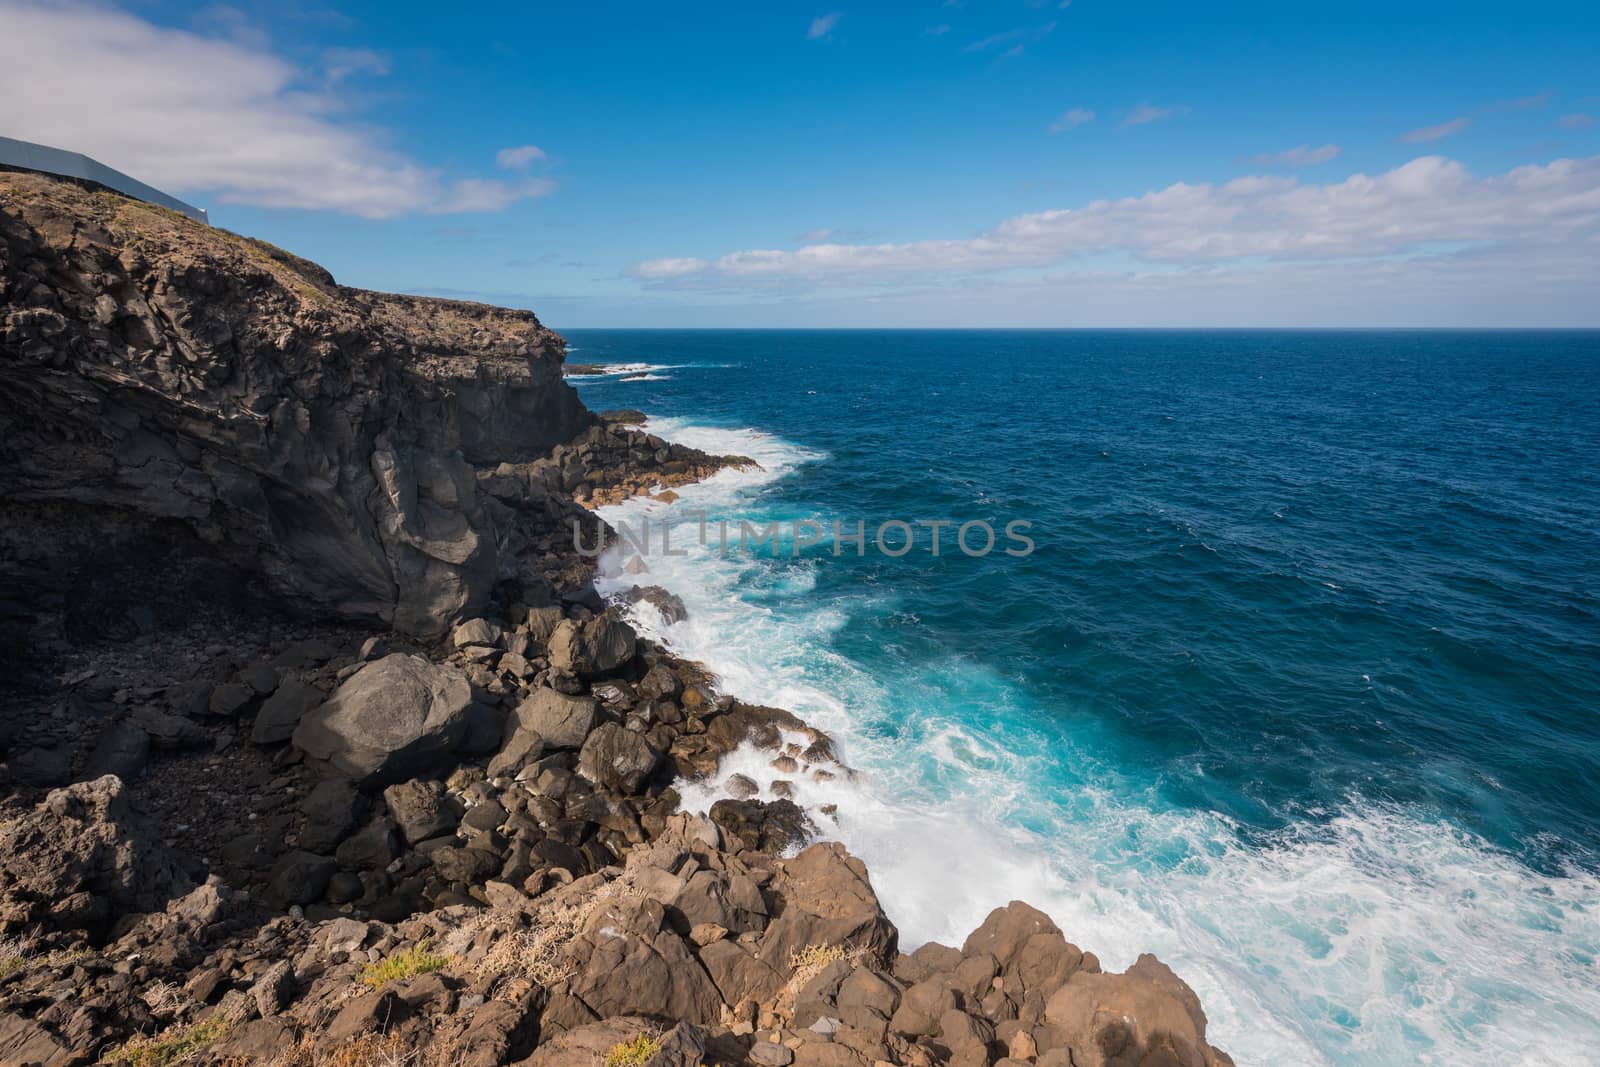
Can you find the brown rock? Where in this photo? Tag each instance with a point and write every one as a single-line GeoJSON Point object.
{"type": "Point", "coordinates": [827, 900]}
{"type": "Point", "coordinates": [562, 721]}
{"type": "Point", "coordinates": [617, 759]}
{"type": "Point", "coordinates": [1145, 1015]}
{"type": "Point", "coordinates": [375, 1011]}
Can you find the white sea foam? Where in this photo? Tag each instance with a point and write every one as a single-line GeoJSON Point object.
{"type": "Point", "coordinates": [613, 370]}
{"type": "Point", "coordinates": [1380, 937]}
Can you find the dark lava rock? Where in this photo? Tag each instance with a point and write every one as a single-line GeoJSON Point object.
{"type": "Point", "coordinates": [299, 877]}
{"type": "Point", "coordinates": [122, 749]}
{"type": "Point", "coordinates": [392, 719]}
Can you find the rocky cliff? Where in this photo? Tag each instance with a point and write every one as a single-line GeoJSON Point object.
{"type": "Point", "coordinates": [409, 798]}
{"type": "Point", "coordinates": [153, 369]}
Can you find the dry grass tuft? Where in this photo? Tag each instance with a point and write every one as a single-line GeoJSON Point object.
{"type": "Point", "coordinates": [540, 954]}
{"type": "Point", "coordinates": [14, 956]}
{"type": "Point", "coordinates": [808, 962]}
{"type": "Point", "coordinates": [368, 1050]}
{"type": "Point", "coordinates": [162, 998]}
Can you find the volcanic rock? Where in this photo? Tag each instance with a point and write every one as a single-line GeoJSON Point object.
{"type": "Point", "coordinates": [393, 718]}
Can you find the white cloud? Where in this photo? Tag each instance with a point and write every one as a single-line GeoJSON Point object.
{"type": "Point", "coordinates": [1300, 156]}
{"type": "Point", "coordinates": [342, 63]}
{"type": "Point", "coordinates": [1435, 133]}
{"type": "Point", "coordinates": [1145, 114]}
{"type": "Point", "coordinates": [1012, 40]}
{"type": "Point", "coordinates": [822, 25]}
{"type": "Point", "coordinates": [1071, 120]}
{"type": "Point", "coordinates": [1427, 207]}
{"type": "Point", "coordinates": [218, 119]}
{"type": "Point", "coordinates": [519, 157]}
{"type": "Point", "coordinates": [1576, 121]}
{"type": "Point", "coordinates": [813, 236]}
{"type": "Point", "coordinates": [668, 268]}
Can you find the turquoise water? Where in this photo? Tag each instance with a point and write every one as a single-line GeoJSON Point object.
{"type": "Point", "coordinates": [1298, 689]}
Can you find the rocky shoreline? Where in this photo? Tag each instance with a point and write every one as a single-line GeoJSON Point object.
{"type": "Point", "coordinates": [319, 746]}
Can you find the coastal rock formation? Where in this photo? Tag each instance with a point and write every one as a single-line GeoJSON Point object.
{"type": "Point", "coordinates": [283, 836]}
{"type": "Point", "coordinates": [154, 371]}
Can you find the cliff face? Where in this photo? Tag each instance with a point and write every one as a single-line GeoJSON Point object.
{"type": "Point", "coordinates": [154, 370]}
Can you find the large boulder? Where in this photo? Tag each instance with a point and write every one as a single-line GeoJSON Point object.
{"type": "Point", "coordinates": [1028, 949]}
{"type": "Point", "coordinates": [563, 721]}
{"type": "Point", "coordinates": [828, 900]}
{"type": "Point", "coordinates": [599, 646]}
{"type": "Point", "coordinates": [630, 962]}
{"type": "Point", "coordinates": [1145, 1015]}
{"type": "Point", "coordinates": [617, 759]}
{"type": "Point", "coordinates": [392, 719]}
{"type": "Point", "coordinates": [80, 859]}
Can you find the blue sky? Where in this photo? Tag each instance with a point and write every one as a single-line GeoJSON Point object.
{"type": "Point", "coordinates": [1004, 163]}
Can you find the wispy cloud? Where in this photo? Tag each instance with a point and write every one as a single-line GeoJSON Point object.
{"type": "Point", "coordinates": [519, 157]}
{"type": "Point", "coordinates": [655, 269]}
{"type": "Point", "coordinates": [937, 31]}
{"type": "Point", "coordinates": [1521, 103]}
{"type": "Point", "coordinates": [1435, 133]}
{"type": "Point", "coordinates": [813, 236]}
{"type": "Point", "coordinates": [1409, 211]}
{"type": "Point", "coordinates": [822, 25]}
{"type": "Point", "coordinates": [341, 63]}
{"type": "Point", "coordinates": [1145, 114]}
{"type": "Point", "coordinates": [1012, 41]}
{"type": "Point", "coordinates": [1299, 156]}
{"type": "Point", "coordinates": [1576, 121]}
{"type": "Point", "coordinates": [1071, 120]}
{"type": "Point", "coordinates": [210, 117]}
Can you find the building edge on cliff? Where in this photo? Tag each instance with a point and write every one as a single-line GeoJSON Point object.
{"type": "Point", "coordinates": [25, 155]}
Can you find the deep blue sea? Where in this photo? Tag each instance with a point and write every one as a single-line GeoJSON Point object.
{"type": "Point", "coordinates": [1299, 689]}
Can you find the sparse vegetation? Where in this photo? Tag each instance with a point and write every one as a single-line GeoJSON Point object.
{"type": "Point", "coordinates": [368, 1050]}
{"type": "Point", "coordinates": [170, 1047]}
{"type": "Point", "coordinates": [403, 964]}
{"type": "Point", "coordinates": [808, 962]}
{"type": "Point", "coordinates": [634, 1053]}
{"type": "Point", "coordinates": [818, 956]}
{"type": "Point", "coordinates": [540, 954]}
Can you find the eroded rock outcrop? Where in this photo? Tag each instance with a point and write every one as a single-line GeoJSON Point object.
{"type": "Point", "coordinates": [155, 370]}
{"type": "Point", "coordinates": [81, 859]}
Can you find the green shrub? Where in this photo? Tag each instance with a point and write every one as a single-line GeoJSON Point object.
{"type": "Point", "coordinates": [171, 1047]}
{"type": "Point", "coordinates": [405, 964]}
{"type": "Point", "coordinates": [635, 1053]}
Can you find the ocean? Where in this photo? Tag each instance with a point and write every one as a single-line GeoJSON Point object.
{"type": "Point", "coordinates": [1299, 688]}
